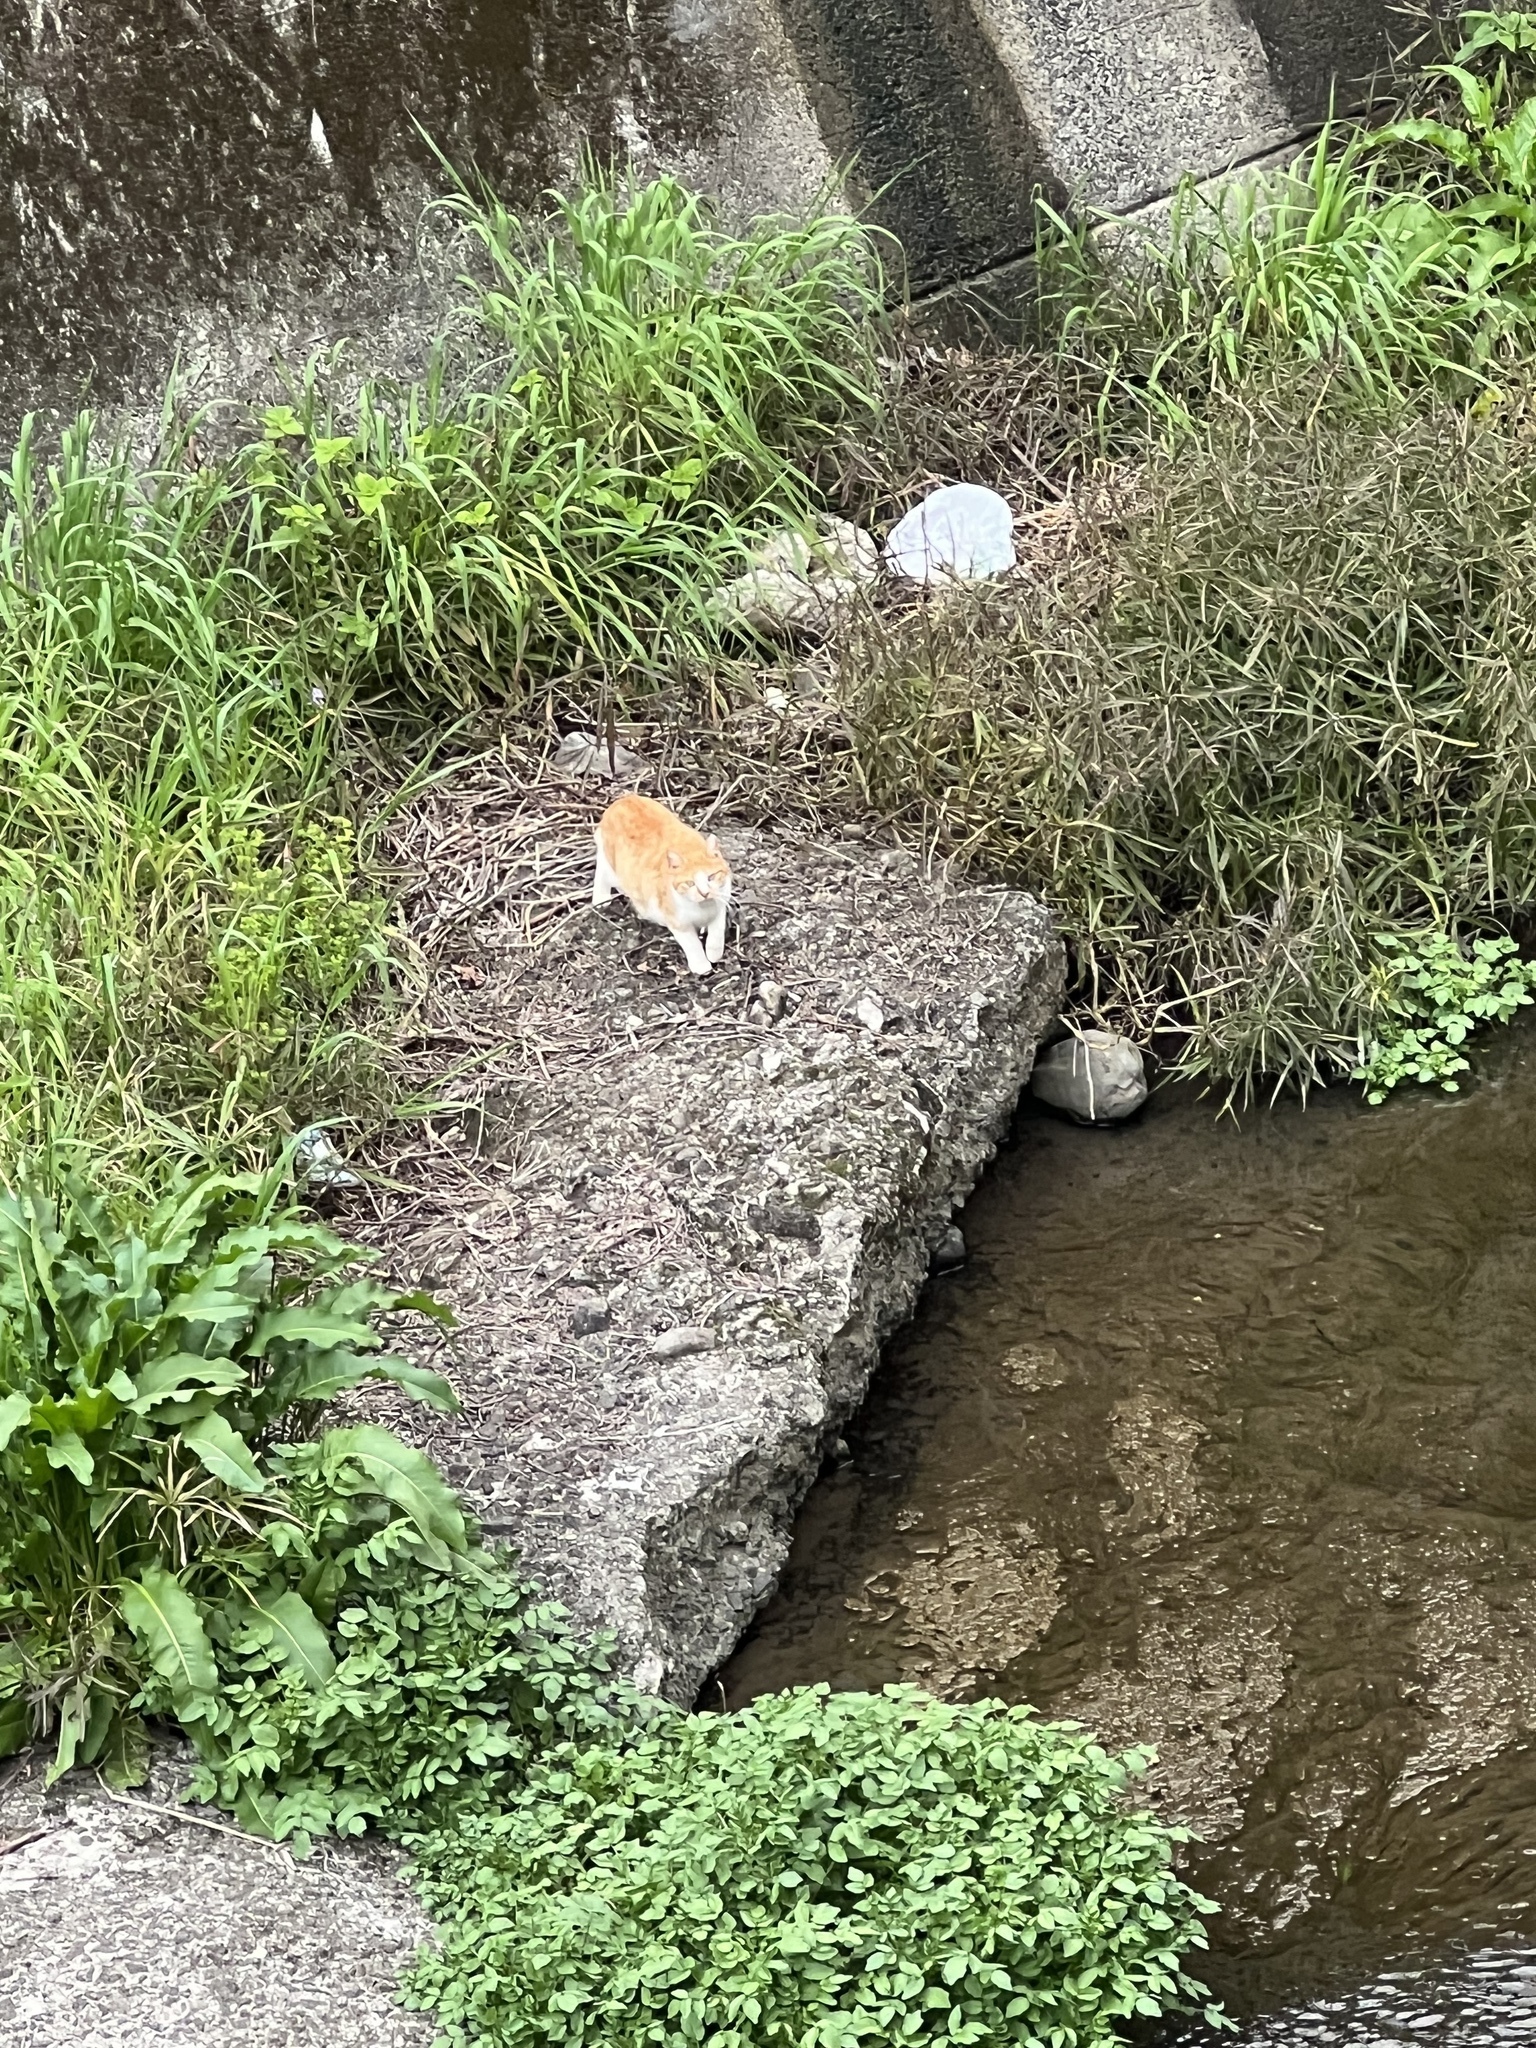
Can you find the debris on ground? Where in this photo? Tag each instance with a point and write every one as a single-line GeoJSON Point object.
{"type": "Point", "coordinates": [798, 581]}
{"type": "Point", "coordinates": [959, 533]}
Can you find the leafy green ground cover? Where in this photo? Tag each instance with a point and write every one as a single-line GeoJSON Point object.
{"type": "Point", "coordinates": [184, 1540]}
{"type": "Point", "coordinates": [153, 1380]}
{"type": "Point", "coordinates": [817, 1869]}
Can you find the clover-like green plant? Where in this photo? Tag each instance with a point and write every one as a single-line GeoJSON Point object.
{"type": "Point", "coordinates": [1434, 993]}
{"type": "Point", "coordinates": [820, 1869]}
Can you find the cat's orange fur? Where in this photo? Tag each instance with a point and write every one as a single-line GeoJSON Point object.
{"type": "Point", "coordinates": [671, 875]}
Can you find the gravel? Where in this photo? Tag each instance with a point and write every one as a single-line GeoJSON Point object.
{"type": "Point", "coordinates": [123, 1927]}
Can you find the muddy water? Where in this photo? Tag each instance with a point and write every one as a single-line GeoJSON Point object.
{"type": "Point", "coordinates": [1226, 1440]}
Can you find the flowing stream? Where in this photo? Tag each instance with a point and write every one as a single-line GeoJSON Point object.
{"type": "Point", "coordinates": [1225, 1440]}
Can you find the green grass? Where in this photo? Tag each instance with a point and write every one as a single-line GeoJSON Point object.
{"type": "Point", "coordinates": [205, 666]}
{"type": "Point", "coordinates": [1330, 261]}
{"type": "Point", "coordinates": [642, 396]}
{"type": "Point", "coordinates": [1265, 733]}
{"type": "Point", "coordinates": [1397, 256]}
{"type": "Point", "coordinates": [166, 985]}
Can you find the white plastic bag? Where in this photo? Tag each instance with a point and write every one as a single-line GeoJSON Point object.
{"type": "Point", "coordinates": [959, 532]}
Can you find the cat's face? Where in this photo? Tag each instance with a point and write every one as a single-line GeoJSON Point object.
{"type": "Point", "coordinates": [710, 884]}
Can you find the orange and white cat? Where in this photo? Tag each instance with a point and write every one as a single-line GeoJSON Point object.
{"type": "Point", "coordinates": [670, 874]}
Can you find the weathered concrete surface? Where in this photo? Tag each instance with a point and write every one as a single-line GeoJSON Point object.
{"type": "Point", "coordinates": [658, 1155]}
{"type": "Point", "coordinates": [240, 178]}
{"type": "Point", "coordinates": [228, 180]}
{"type": "Point", "coordinates": [121, 1927]}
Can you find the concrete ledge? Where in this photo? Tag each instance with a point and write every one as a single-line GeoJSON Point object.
{"type": "Point", "coordinates": [677, 1228]}
{"type": "Point", "coordinates": [745, 1203]}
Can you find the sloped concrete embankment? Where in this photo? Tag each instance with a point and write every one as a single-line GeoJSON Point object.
{"type": "Point", "coordinates": [210, 185]}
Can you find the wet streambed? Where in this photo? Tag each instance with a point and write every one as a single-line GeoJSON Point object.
{"type": "Point", "coordinates": [1226, 1440]}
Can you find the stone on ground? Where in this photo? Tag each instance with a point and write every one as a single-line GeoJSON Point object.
{"type": "Point", "coordinates": [1097, 1077]}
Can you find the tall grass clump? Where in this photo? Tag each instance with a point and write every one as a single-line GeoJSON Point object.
{"type": "Point", "coordinates": [195, 946]}
{"type": "Point", "coordinates": [644, 394]}
{"type": "Point", "coordinates": [182, 922]}
{"type": "Point", "coordinates": [1276, 705]}
{"type": "Point", "coordinates": [1397, 256]}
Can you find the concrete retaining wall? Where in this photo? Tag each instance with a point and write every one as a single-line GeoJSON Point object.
{"type": "Point", "coordinates": [228, 178]}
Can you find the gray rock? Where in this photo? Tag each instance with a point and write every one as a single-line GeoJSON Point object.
{"type": "Point", "coordinates": [588, 1317]}
{"type": "Point", "coordinates": [1096, 1077]}
{"type": "Point", "coordinates": [683, 1342]}
{"type": "Point", "coordinates": [318, 1163]}
{"type": "Point", "coordinates": [825, 1193]}
{"type": "Point", "coordinates": [584, 754]}
{"type": "Point", "coordinates": [796, 582]}
{"type": "Point", "coordinates": [950, 1251]}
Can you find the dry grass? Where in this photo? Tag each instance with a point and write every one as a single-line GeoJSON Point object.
{"type": "Point", "coordinates": [1245, 708]}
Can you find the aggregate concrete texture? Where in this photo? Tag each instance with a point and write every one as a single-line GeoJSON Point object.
{"type": "Point", "coordinates": [219, 181]}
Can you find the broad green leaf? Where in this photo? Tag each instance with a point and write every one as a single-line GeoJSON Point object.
{"type": "Point", "coordinates": [313, 1326]}
{"type": "Point", "coordinates": [210, 1301]}
{"type": "Point", "coordinates": [373, 490]}
{"type": "Point", "coordinates": [297, 1636]}
{"type": "Point", "coordinates": [224, 1452]}
{"type": "Point", "coordinates": [402, 1475]}
{"type": "Point", "coordinates": [74, 1719]}
{"type": "Point", "coordinates": [418, 1382]}
{"type": "Point", "coordinates": [323, 1377]}
{"type": "Point", "coordinates": [179, 1376]}
{"type": "Point", "coordinates": [173, 1414]}
{"type": "Point", "coordinates": [165, 1620]}
{"type": "Point", "coordinates": [15, 1724]}
{"type": "Point", "coordinates": [66, 1453]}
{"type": "Point", "coordinates": [124, 1759]}
{"type": "Point", "coordinates": [98, 1726]}
{"type": "Point", "coordinates": [15, 1413]}
{"type": "Point", "coordinates": [428, 1305]}
{"type": "Point", "coordinates": [93, 1408]}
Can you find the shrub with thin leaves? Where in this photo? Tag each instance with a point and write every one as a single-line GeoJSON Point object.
{"type": "Point", "coordinates": [816, 1870]}
{"type": "Point", "coordinates": [150, 1375]}
{"type": "Point", "coordinates": [1275, 702]}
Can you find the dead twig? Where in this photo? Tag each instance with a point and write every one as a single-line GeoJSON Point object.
{"type": "Point", "coordinates": [194, 1820]}
{"type": "Point", "coordinates": [56, 1827]}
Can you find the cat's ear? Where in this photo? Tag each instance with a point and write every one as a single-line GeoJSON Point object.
{"type": "Point", "coordinates": [712, 843]}
{"type": "Point", "coordinates": [672, 859]}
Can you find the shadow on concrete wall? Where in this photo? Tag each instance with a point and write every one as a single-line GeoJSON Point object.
{"type": "Point", "coordinates": [915, 91]}
{"type": "Point", "coordinates": [1327, 50]}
